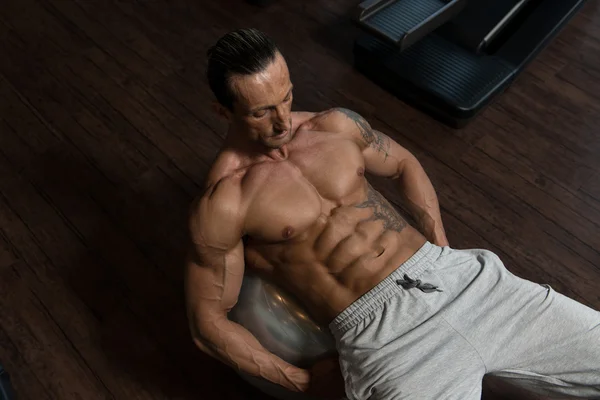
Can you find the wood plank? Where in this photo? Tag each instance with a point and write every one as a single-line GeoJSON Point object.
{"type": "Point", "coordinates": [123, 204]}
{"type": "Point", "coordinates": [187, 84]}
{"type": "Point", "coordinates": [72, 315]}
{"type": "Point", "coordinates": [179, 33]}
{"type": "Point", "coordinates": [119, 72]}
{"type": "Point", "coordinates": [550, 69]}
{"type": "Point", "coordinates": [585, 51]}
{"type": "Point", "coordinates": [556, 163]}
{"type": "Point", "coordinates": [98, 284]}
{"type": "Point", "coordinates": [521, 165]}
{"type": "Point", "coordinates": [76, 177]}
{"type": "Point", "coordinates": [569, 229]}
{"type": "Point", "coordinates": [140, 119]}
{"type": "Point", "coordinates": [47, 37]}
{"type": "Point", "coordinates": [7, 255]}
{"type": "Point", "coordinates": [128, 35]}
{"type": "Point", "coordinates": [62, 112]}
{"type": "Point", "coordinates": [140, 68]}
{"type": "Point", "coordinates": [583, 77]}
{"type": "Point", "coordinates": [592, 187]}
{"type": "Point", "coordinates": [24, 120]}
{"type": "Point", "coordinates": [42, 344]}
{"type": "Point", "coordinates": [100, 36]}
{"type": "Point", "coordinates": [150, 101]}
{"type": "Point", "coordinates": [573, 130]}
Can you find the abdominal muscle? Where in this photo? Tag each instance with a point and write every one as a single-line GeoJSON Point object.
{"type": "Point", "coordinates": [340, 257]}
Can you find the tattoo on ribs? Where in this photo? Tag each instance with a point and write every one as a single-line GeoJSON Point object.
{"type": "Point", "coordinates": [377, 140]}
{"type": "Point", "coordinates": [383, 210]}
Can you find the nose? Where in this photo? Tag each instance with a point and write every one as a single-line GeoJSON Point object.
{"type": "Point", "coordinates": [282, 114]}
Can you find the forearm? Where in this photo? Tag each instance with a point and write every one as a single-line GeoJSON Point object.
{"type": "Point", "coordinates": [422, 202]}
{"type": "Point", "coordinates": [235, 346]}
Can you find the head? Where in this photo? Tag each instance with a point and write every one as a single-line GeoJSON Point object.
{"type": "Point", "coordinates": [251, 82]}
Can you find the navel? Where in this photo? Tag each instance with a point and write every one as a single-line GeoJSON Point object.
{"type": "Point", "coordinates": [288, 231]}
{"type": "Point", "coordinates": [360, 171]}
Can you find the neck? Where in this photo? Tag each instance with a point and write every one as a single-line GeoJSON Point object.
{"type": "Point", "coordinates": [253, 149]}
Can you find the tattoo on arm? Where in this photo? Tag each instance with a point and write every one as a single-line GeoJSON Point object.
{"type": "Point", "coordinates": [376, 140]}
{"type": "Point", "coordinates": [383, 210]}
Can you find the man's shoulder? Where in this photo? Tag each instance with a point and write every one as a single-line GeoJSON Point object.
{"type": "Point", "coordinates": [344, 122]}
{"type": "Point", "coordinates": [224, 166]}
{"type": "Point", "coordinates": [222, 188]}
{"type": "Point", "coordinates": [216, 216]}
{"type": "Point", "coordinates": [219, 207]}
{"type": "Point", "coordinates": [336, 119]}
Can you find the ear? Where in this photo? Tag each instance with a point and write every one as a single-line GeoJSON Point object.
{"type": "Point", "coordinates": [221, 110]}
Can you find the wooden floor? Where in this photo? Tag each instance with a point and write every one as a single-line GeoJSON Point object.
{"type": "Point", "coordinates": [106, 133]}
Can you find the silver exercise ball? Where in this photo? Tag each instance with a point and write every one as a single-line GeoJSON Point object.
{"type": "Point", "coordinates": [283, 327]}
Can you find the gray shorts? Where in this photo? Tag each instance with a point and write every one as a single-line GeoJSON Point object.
{"type": "Point", "coordinates": [445, 318]}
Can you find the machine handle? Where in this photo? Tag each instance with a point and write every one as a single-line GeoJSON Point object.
{"type": "Point", "coordinates": [410, 34]}
{"type": "Point", "coordinates": [369, 7]}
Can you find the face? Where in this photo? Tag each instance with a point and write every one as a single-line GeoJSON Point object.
{"type": "Point", "coordinates": [263, 106]}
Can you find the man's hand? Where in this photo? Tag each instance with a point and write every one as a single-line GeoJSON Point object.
{"type": "Point", "coordinates": [326, 381]}
{"type": "Point", "coordinates": [300, 379]}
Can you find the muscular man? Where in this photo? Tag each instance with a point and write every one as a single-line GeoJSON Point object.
{"type": "Point", "coordinates": [412, 317]}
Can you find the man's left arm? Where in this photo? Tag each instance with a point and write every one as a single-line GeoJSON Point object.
{"type": "Point", "coordinates": [384, 157]}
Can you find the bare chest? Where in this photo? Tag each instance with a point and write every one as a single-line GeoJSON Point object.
{"type": "Point", "coordinates": [291, 196]}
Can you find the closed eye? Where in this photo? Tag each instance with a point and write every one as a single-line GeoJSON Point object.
{"type": "Point", "coordinates": [260, 114]}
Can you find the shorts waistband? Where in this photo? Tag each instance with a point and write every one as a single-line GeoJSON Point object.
{"type": "Point", "coordinates": [376, 297]}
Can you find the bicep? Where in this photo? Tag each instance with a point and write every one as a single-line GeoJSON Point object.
{"type": "Point", "coordinates": [384, 157]}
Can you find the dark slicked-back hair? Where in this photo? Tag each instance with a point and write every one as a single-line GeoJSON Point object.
{"type": "Point", "coordinates": [241, 52]}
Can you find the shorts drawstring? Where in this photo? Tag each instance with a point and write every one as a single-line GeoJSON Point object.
{"type": "Point", "coordinates": [409, 283]}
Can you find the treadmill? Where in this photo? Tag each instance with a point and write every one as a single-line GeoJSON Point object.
{"type": "Point", "coordinates": [451, 58]}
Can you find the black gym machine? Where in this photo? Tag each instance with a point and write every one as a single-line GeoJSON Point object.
{"type": "Point", "coordinates": [452, 58]}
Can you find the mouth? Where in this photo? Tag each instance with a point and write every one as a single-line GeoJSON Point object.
{"type": "Point", "coordinates": [281, 131]}
{"type": "Point", "coordinates": [281, 134]}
